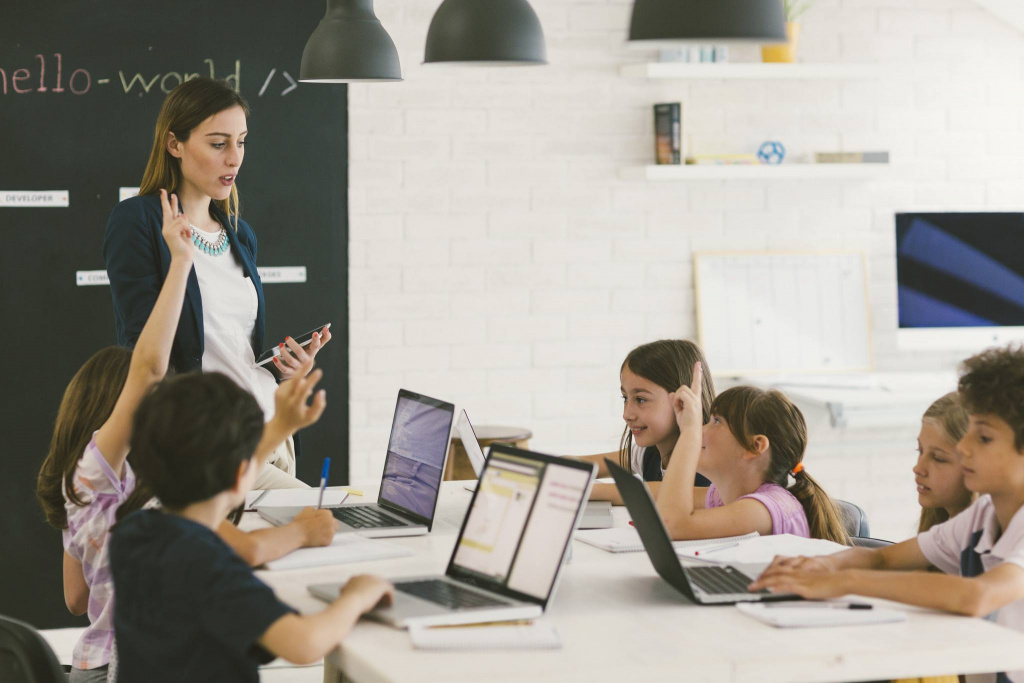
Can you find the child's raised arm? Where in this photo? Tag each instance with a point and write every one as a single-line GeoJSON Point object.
{"type": "Point", "coordinates": [291, 412]}
{"type": "Point", "coordinates": [684, 515]}
{"type": "Point", "coordinates": [153, 349]}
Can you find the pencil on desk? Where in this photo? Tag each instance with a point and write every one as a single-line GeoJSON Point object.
{"type": "Point", "coordinates": [517, 622]}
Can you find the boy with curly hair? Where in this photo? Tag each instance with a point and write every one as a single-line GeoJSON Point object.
{"type": "Point", "coordinates": [980, 551]}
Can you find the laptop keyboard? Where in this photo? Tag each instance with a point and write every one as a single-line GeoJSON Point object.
{"type": "Point", "coordinates": [366, 518]}
{"type": "Point", "coordinates": [720, 580]}
{"type": "Point", "coordinates": [448, 595]}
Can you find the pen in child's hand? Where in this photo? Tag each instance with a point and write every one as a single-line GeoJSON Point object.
{"type": "Point", "coordinates": [323, 482]}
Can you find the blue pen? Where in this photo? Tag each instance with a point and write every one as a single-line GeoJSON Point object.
{"type": "Point", "coordinates": [323, 481]}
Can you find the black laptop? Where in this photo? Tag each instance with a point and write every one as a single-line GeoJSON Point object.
{"type": "Point", "coordinates": [714, 584]}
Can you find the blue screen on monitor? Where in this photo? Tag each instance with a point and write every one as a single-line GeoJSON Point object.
{"type": "Point", "coordinates": [960, 269]}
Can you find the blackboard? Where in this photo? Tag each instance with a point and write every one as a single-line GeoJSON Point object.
{"type": "Point", "coordinates": [81, 82]}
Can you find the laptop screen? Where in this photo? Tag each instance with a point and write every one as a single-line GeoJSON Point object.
{"type": "Point", "coordinates": [520, 522]}
{"type": "Point", "coordinates": [416, 452]}
{"type": "Point", "coordinates": [469, 441]}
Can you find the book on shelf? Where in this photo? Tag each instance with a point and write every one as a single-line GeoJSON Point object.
{"type": "Point", "coordinates": [851, 157]}
{"type": "Point", "coordinates": [668, 133]}
{"type": "Point", "coordinates": [722, 160]}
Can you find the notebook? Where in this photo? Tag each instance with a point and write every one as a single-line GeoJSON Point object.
{"type": "Point", "coordinates": [345, 548]}
{"type": "Point", "coordinates": [294, 498]}
{"type": "Point", "coordinates": [536, 635]}
{"type": "Point", "coordinates": [817, 615]}
{"type": "Point", "coordinates": [625, 539]}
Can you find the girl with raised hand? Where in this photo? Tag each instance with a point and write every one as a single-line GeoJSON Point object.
{"type": "Point", "coordinates": [750, 449]}
{"type": "Point", "coordinates": [647, 376]}
{"type": "Point", "coordinates": [86, 476]}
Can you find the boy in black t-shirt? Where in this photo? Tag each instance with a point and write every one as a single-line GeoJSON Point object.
{"type": "Point", "coordinates": [186, 607]}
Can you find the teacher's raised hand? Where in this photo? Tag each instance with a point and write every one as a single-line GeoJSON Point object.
{"type": "Point", "coordinates": [176, 230]}
{"type": "Point", "coordinates": [294, 357]}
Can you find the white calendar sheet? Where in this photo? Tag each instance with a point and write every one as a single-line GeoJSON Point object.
{"type": "Point", "coordinates": [771, 312]}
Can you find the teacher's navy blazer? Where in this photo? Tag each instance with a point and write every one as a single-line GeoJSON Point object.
{"type": "Point", "coordinates": [137, 261]}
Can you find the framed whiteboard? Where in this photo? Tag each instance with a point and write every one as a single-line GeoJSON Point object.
{"type": "Point", "coordinates": [772, 312]}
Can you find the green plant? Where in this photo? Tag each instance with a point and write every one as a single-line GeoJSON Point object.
{"type": "Point", "coordinates": [795, 8]}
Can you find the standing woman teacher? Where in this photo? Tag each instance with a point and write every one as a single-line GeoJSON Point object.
{"type": "Point", "coordinates": [197, 152]}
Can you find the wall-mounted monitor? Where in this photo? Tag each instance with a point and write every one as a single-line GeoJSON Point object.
{"type": "Point", "coordinates": [960, 280]}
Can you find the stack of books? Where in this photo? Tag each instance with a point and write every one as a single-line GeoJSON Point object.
{"type": "Point", "coordinates": [851, 157]}
{"type": "Point", "coordinates": [722, 160]}
{"type": "Point", "coordinates": [668, 133]}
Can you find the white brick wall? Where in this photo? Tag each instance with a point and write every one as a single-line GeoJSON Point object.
{"type": "Point", "coordinates": [498, 262]}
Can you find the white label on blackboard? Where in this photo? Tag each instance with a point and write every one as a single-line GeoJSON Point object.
{"type": "Point", "coordinates": [33, 199]}
{"type": "Point", "coordinates": [282, 273]}
{"type": "Point", "coordinates": [84, 278]}
{"type": "Point", "coordinates": [124, 193]}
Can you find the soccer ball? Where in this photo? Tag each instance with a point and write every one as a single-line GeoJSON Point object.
{"type": "Point", "coordinates": [771, 152]}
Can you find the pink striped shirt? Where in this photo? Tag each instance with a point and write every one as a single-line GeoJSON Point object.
{"type": "Point", "coordinates": [85, 540]}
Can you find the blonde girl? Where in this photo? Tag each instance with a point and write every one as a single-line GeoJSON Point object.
{"type": "Point", "coordinates": [938, 475]}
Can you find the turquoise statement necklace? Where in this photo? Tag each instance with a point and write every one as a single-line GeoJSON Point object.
{"type": "Point", "coordinates": [212, 248]}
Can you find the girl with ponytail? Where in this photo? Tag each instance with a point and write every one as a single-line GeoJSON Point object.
{"type": "Point", "coordinates": [752, 450]}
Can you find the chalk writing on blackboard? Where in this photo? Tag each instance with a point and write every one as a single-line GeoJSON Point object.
{"type": "Point", "coordinates": [48, 73]}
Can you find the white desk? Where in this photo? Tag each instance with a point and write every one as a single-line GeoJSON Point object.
{"type": "Point", "coordinates": [619, 621]}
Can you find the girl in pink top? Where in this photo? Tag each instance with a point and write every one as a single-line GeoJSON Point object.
{"type": "Point", "coordinates": [751, 449]}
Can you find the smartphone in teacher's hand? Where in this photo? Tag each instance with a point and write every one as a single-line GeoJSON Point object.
{"type": "Point", "coordinates": [303, 340]}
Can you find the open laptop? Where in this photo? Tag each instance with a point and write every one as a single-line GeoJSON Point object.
{"type": "Point", "coordinates": [509, 552]}
{"type": "Point", "coordinates": [597, 514]}
{"type": "Point", "coordinates": [420, 433]}
{"type": "Point", "coordinates": [711, 584]}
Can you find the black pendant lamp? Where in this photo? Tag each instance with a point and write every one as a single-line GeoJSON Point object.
{"type": "Point", "coordinates": [485, 33]}
{"type": "Point", "coordinates": [349, 45]}
{"type": "Point", "coordinates": [719, 21]}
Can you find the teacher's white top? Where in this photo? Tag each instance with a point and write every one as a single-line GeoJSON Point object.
{"type": "Point", "coordinates": [229, 318]}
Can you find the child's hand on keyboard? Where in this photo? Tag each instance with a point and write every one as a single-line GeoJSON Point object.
{"type": "Point", "coordinates": [368, 592]}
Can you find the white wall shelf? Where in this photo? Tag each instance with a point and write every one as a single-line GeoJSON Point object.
{"type": "Point", "coordinates": [755, 172]}
{"type": "Point", "coordinates": [751, 71]}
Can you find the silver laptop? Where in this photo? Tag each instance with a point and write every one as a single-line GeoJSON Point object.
{"type": "Point", "coordinates": [596, 514]}
{"type": "Point", "coordinates": [509, 552]}
{"type": "Point", "coordinates": [420, 434]}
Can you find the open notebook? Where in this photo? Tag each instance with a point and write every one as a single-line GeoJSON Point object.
{"type": "Point", "coordinates": [817, 614]}
{"type": "Point", "coordinates": [625, 539]}
{"type": "Point", "coordinates": [298, 498]}
{"type": "Point", "coordinates": [345, 548]}
{"type": "Point", "coordinates": [535, 635]}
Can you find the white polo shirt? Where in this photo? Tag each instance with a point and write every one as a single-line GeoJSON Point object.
{"type": "Point", "coordinates": [951, 547]}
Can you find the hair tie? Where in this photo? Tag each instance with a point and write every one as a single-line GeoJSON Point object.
{"type": "Point", "coordinates": [798, 469]}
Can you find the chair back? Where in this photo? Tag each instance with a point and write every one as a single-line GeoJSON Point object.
{"type": "Point", "coordinates": [855, 519]}
{"type": "Point", "coordinates": [25, 656]}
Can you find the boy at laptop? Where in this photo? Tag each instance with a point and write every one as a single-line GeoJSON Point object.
{"type": "Point", "coordinates": [980, 551]}
{"type": "Point", "coordinates": [188, 607]}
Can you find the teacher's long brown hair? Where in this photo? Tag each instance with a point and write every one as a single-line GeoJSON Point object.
{"type": "Point", "coordinates": [185, 108]}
